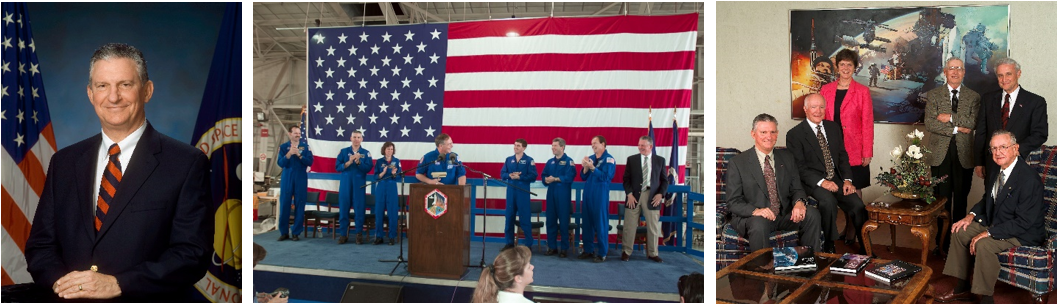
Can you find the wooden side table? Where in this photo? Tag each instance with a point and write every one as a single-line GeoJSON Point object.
{"type": "Point", "coordinates": [894, 211]}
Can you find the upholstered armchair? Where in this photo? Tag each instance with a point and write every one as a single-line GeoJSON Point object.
{"type": "Point", "coordinates": [1034, 268]}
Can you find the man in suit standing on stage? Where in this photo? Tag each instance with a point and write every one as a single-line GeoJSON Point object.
{"type": "Point", "coordinates": [645, 182]}
{"type": "Point", "coordinates": [950, 117]}
{"type": "Point", "coordinates": [824, 169]}
{"type": "Point", "coordinates": [764, 193]}
{"type": "Point", "coordinates": [123, 214]}
{"type": "Point", "coordinates": [1010, 214]}
{"type": "Point", "coordinates": [1014, 109]}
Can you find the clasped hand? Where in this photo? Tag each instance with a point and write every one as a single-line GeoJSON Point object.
{"type": "Point", "coordinates": [87, 284]}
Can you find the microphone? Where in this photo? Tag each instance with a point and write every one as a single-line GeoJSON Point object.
{"type": "Point", "coordinates": [440, 158]}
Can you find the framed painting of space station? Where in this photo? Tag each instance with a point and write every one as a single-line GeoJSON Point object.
{"type": "Point", "coordinates": [901, 51]}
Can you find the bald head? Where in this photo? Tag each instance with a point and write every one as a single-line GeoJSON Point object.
{"type": "Point", "coordinates": [814, 106]}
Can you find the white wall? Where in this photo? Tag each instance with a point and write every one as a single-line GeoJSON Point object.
{"type": "Point", "coordinates": [752, 59]}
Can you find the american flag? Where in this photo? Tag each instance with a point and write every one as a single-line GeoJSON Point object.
{"type": "Point", "coordinates": [27, 138]}
{"type": "Point", "coordinates": [487, 83]}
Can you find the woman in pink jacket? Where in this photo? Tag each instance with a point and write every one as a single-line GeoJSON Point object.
{"type": "Point", "coordinates": [848, 104]}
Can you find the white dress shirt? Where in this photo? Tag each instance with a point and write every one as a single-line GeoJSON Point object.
{"type": "Point", "coordinates": [127, 146]}
{"type": "Point", "coordinates": [509, 297]}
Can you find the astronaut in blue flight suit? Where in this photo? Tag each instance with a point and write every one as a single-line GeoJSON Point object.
{"type": "Point", "coordinates": [519, 170]}
{"type": "Point", "coordinates": [441, 160]}
{"type": "Point", "coordinates": [294, 160]}
{"type": "Point", "coordinates": [353, 163]}
{"type": "Point", "coordinates": [597, 171]}
{"type": "Point", "coordinates": [558, 175]}
{"type": "Point", "coordinates": [389, 173]}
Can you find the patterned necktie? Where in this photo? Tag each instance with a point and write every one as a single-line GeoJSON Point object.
{"type": "Point", "coordinates": [644, 174]}
{"type": "Point", "coordinates": [830, 171]}
{"type": "Point", "coordinates": [954, 101]}
{"type": "Point", "coordinates": [998, 185]}
{"type": "Point", "coordinates": [771, 186]}
{"type": "Point", "coordinates": [112, 175]}
{"type": "Point", "coordinates": [1005, 112]}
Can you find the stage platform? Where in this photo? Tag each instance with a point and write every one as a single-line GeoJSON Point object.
{"type": "Point", "coordinates": [318, 269]}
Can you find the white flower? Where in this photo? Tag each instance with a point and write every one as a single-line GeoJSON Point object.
{"type": "Point", "coordinates": [910, 136]}
{"type": "Point", "coordinates": [914, 152]}
{"type": "Point", "coordinates": [897, 153]}
{"type": "Point", "coordinates": [919, 134]}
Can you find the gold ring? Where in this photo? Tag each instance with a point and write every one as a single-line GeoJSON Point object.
{"type": "Point", "coordinates": [79, 287]}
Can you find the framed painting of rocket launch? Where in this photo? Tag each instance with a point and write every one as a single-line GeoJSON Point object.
{"type": "Point", "coordinates": [901, 52]}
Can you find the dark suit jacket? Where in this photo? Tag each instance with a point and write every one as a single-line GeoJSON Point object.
{"type": "Point", "coordinates": [632, 177]}
{"type": "Point", "coordinates": [1020, 209]}
{"type": "Point", "coordinates": [155, 238]}
{"type": "Point", "coordinates": [746, 186]}
{"type": "Point", "coordinates": [1027, 121]}
{"type": "Point", "coordinates": [803, 143]}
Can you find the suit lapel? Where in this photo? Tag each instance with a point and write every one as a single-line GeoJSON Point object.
{"type": "Point", "coordinates": [812, 140]}
{"type": "Point", "coordinates": [86, 192]}
{"type": "Point", "coordinates": [1018, 106]}
{"type": "Point", "coordinates": [1007, 189]}
{"type": "Point", "coordinates": [141, 165]}
{"type": "Point", "coordinates": [757, 171]}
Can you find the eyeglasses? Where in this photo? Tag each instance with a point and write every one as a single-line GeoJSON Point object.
{"type": "Point", "coordinates": [955, 68]}
{"type": "Point", "coordinates": [996, 149]}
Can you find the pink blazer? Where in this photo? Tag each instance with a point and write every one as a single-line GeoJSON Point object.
{"type": "Point", "coordinates": [856, 113]}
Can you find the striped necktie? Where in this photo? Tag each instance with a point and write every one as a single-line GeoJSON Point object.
{"type": "Point", "coordinates": [112, 175]}
{"type": "Point", "coordinates": [644, 174]}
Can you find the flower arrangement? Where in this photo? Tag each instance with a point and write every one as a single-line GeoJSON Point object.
{"type": "Point", "coordinates": [909, 178]}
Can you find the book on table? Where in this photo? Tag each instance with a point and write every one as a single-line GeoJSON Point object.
{"type": "Point", "coordinates": [893, 271]}
{"type": "Point", "coordinates": [794, 259]}
{"type": "Point", "coordinates": [849, 264]}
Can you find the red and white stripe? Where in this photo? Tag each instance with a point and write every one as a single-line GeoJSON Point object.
{"type": "Point", "coordinates": [573, 78]}
{"type": "Point", "coordinates": [22, 186]}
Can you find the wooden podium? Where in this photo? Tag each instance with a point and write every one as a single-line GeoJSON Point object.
{"type": "Point", "coordinates": [439, 238]}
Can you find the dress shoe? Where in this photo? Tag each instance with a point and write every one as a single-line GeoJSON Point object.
{"type": "Point", "coordinates": [829, 247]}
{"type": "Point", "coordinates": [563, 254]}
{"type": "Point", "coordinates": [585, 255]}
{"type": "Point", "coordinates": [951, 296]}
{"type": "Point", "coordinates": [550, 252]}
{"type": "Point", "coordinates": [598, 259]}
{"type": "Point", "coordinates": [657, 259]}
{"type": "Point", "coordinates": [508, 246]}
{"type": "Point", "coordinates": [294, 238]}
{"type": "Point", "coordinates": [849, 242]}
{"type": "Point", "coordinates": [359, 239]}
{"type": "Point", "coordinates": [625, 257]}
{"type": "Point", "coordinates": [283, 237]}
{"type": "Point", "coordinates": [392, 241]}
{"type": "Point", "coordinates": [378, 241]}
{"type": "Point", "coordinates": [342, 240]}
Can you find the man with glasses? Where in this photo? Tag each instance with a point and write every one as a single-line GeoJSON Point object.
{"type": "Point", "coordinates": [950, 117]}
{"type": "Point", "coordinates": [1010, 214]}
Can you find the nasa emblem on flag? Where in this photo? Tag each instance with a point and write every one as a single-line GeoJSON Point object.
{"type": "Point", "coordinates": [435, 204]}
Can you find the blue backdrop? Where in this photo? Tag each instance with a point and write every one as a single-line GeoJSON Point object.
{"type": "Point", "coordinates": [177, 40]}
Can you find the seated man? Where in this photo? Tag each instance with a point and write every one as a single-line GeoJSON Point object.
{"type": "Point", "coordinates": [1010, 214]}
{"type": "Point", "coordinates": [763, 191]}
{"type": "Point", "coordinates": [821, 157]}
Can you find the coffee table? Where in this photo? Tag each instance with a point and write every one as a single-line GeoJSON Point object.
{"type": "Point", "coordinates": [752, 280]}
{"type": "Point", "coordinates": [919, 215]}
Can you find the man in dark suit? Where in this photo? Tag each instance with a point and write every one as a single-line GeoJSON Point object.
{"type": "Point", "coordinates": [818, 146]}
{"type": "Point", "coordinates": [645, 182]}
{"type": "Point", "coordinates": [950, 117]}
{"type": "Point", "coordinates": [764, 193]}
{"type": "Point", "coordinates": [123, 214]}
{"type": "Point", "coordinates": [1025, 116]}
{"type": "Point", "coordinates": [1010, 214]}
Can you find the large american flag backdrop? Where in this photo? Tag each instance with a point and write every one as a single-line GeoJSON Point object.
{"type": "Point", "coordinates": [27, 139]}
{"type": "Point", "coordinates": [487, 83]}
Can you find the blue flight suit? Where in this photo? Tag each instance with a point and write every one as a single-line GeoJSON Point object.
{"type": "Point", "coordinates": [595, 204]}
{"type": "Point", "coordinates": [386, 192]}
{"type": "Point", "coordinates": [558, 199]}
{"type": "Point", "coordinates": [516, 200]}
{"type": "Point", "coordinates": [350, 181]}
{"type": "Point", "coordinates": [293, 185]}
{"type": "Point", "coordinates": [452, 168]}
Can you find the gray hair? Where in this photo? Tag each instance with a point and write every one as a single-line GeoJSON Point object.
{"type": "Point", "coordinates": [647, 138]}
{"type": "Point", "coordinates": [119, 50]}
{"type": "Point", "coordinates": [952, 59]}
{"type": "Point", "coordinates": [1012, 137]}
{"type": "Point", "coordinates": [763, 118]}
{"type": "Point", "coordinates": [1007, 61]}
{"type": "Point", "coordinates": [560, 141]}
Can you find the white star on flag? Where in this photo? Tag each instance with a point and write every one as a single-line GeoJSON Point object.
{"type": "Point", "coordinates": [383, 107]}
{"type": "Point", "coordinates": [342, 38]}
{"type": "Point", "coordinates": [340, 108]}
{"type": "Point", "coordinates": [350, 119]}
{"type": "Point", "coordinates": [409, 36]}
{"type": "Point", "coordinates": [318, 107]}
{"type": "Point", "coordinates": [372, 119]}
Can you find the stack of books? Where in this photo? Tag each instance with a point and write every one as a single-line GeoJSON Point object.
{"type": "Point", "coordinates": [893, 271]}
{"type": "Point", "coordinates": [849, 264]}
